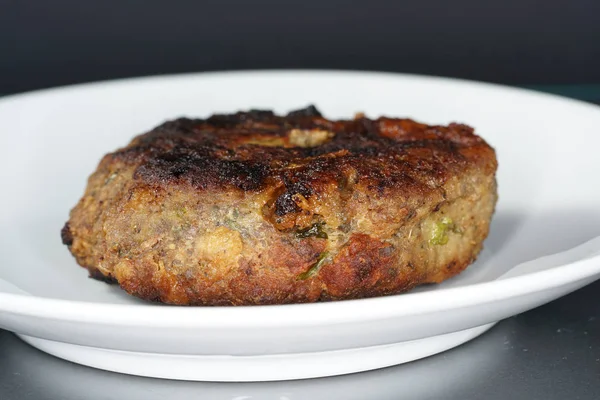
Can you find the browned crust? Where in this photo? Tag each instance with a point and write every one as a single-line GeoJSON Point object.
{"type": "Point", "coordinates": [154, 214]}
{"type": "Point", "coordinates": [220, 152]}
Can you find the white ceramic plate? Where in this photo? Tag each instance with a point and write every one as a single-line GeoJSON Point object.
{"type": "Point", "coordinates": [548, 152]}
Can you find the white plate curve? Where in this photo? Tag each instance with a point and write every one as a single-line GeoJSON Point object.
{"type": "Point", "coordinates": [548, 166]}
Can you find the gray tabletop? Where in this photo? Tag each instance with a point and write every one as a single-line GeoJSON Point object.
{"type": "Point", "coordinates": [552, 352]}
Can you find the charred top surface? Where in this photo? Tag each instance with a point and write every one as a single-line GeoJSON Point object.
{"type": "Point", "coordinates": [302, 150]}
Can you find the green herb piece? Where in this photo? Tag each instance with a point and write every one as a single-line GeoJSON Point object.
{"type": "Point", "coordinates": [231, 221]}
{"type": "Point", "coordinates": [439, 235]}
{"type": "Point", "coordinates": [315, 230]}
{"type": "Point", "coordinates": [111, 177]}
{"type": "Point", "coordinates": [233, 224]}
{"type": "Point", "coordinates": [314, 269]}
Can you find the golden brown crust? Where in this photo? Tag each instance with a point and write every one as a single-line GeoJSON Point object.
{"type": "Point", "coordinates": [254, 208]}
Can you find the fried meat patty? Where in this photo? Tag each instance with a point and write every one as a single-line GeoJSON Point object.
{"type": "Point", "coordinates": [255, 208]}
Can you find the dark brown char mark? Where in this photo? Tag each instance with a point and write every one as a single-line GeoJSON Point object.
{"type": "Point", "coordinates": [227, 151]}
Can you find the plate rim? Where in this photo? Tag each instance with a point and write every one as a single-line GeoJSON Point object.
{"type": "Point", "coordinates": [258, 73]}
{"type": "Point", "coordinates": [335, 312]}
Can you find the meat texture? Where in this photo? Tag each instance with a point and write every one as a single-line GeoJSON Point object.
{"type": "Point", "coordinates": [254, 208]}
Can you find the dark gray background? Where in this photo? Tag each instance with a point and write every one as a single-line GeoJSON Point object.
{"type": "Point", "coordinates": [552, 352]}
{"type": "Point", "coordinates": [49, 43]}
